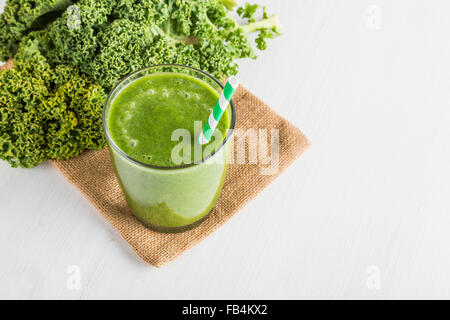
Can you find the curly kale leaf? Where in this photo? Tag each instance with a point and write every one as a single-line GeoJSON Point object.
{"type": "Point", "coordinates": [108, 39]}
{"type": "Point", "coordinates": [45, 112]}
{"type": "Point", "coordinates": [19, 16]}
{"type": "Point", "coordinates": [248, 11]}
{"type": "Point", "coordinates": [267, 27]}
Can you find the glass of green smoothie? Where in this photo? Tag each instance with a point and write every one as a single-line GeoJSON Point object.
{"type": "Point", "coordinates": [152, 119]}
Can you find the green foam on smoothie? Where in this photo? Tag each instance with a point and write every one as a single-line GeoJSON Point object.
{"type": "Point", "coordinates": [144, 115]}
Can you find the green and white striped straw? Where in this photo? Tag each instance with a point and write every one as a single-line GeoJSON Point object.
{"type": "Point", "coordinates": [219, 109]}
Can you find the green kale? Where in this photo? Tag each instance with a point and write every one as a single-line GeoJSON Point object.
{"type": "Point", "coordinates": [19, 16]}
{"type": "Point", "coordinates": [268, 27]}
{"type": "Point", "coordinates": [45, 112]}
{"type": "Point", "coordinates": [110, 38]}
{"type": "Point", "coordinates": [248, 11]}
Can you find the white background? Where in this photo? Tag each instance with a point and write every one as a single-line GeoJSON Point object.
{"type": "Point", "coordinates": [365, 213]}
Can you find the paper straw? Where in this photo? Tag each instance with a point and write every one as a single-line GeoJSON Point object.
{"type": "Point", "coordinates": [219, 109]}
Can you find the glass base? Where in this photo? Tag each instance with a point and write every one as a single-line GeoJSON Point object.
{"type": "Point", "coordinates": [172, 229]}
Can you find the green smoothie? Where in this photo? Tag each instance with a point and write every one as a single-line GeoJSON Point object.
{"type": "Point", "coordinates": [144, 115]}
{"type": "Point", "coordinates": [140, 116]}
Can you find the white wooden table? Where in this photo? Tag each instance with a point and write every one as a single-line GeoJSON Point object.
{"type": "Point", "coordinates": [365, 213]}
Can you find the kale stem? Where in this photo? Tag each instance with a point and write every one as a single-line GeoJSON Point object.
{"type": "Point", "coordinates": [268, 23]}
{"type": "Point", "coordinates": [229, 4]}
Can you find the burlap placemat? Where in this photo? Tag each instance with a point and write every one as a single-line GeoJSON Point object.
{"type": "Point", "coordinates": [92, 173]}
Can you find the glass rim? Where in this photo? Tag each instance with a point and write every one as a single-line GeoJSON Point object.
{"type": "Point", "coordinates": [111, 142]}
